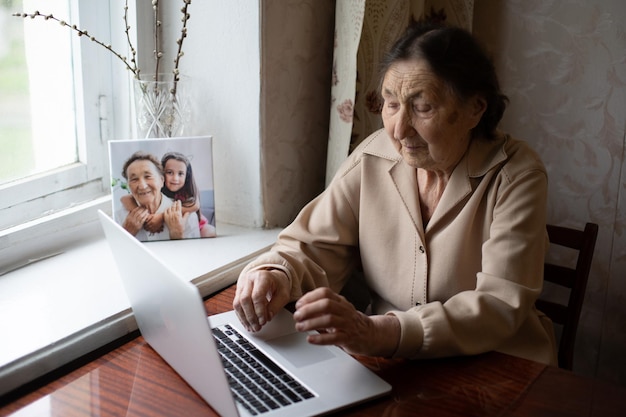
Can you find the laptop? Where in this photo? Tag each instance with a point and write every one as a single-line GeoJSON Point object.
{"type": "Point", "coordinates": [274, 372]}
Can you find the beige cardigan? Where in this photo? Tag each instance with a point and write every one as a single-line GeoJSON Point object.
{"type": "Point", "coordinates": [464, 285]}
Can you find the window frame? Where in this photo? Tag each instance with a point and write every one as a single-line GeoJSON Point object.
{"type": "Point", "coordinates": [23, 200]}
{"type": "Point", "coordinates": [65, 213]}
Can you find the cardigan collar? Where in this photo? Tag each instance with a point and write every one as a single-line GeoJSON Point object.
{"type": "Point", "coordinates": [480, 158]}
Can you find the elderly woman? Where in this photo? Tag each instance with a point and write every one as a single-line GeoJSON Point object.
{"type": "Point", "coordinates": [444, 214]}
{"type": "Point", "coordinates": [145, 181]}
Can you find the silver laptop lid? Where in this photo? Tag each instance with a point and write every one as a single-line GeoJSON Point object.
{"type": "Point", "coordinates": [175, 327]}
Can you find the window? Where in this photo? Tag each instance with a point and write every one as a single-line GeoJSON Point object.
{"type": "Point", "coordinates": [54, 139]}
{"type": "Point", "coordinates": [33, 56]}
{"type": "Point", "coordinates": [57, 162]}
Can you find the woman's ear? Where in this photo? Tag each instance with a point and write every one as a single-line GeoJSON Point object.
{"type": "Point", "coordinates": [478, 105]}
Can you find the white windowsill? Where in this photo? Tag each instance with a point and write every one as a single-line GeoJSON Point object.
{"type": "Point", "coordinates": [63, 307]}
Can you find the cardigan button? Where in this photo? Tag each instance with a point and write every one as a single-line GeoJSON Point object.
{"type": "Point", "coordinates": [422, 250]}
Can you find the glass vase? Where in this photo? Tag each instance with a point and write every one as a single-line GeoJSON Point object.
{"type": "Point", "coordinates": [162, 106]}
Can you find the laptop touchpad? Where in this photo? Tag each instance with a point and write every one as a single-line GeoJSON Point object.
{"type": "Point", "coordinates": [298, 351]}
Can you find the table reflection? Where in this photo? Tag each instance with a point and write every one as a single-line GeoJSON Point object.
{"type": "Point", "coordinates": [484, 385]}
{"type": "Point", "coordinates": [131, 381]}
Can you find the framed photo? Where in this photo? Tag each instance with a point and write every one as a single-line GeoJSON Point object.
{"type": "Point", "coordinates": [162, 189]}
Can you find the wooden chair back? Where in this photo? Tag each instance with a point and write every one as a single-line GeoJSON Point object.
{"type": "Point", "coordinates": [575, 279]}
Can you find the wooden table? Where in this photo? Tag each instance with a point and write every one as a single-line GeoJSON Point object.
{"type": "Point", "coordinates": [132, 380]}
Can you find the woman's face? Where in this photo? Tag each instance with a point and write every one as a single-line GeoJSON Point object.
{"type": "Point", "coordinates": [145, 182]}
{"type": "Point", "coordinates": [175, 174]}
{"type": "Point", "coordinates": [429, 126]}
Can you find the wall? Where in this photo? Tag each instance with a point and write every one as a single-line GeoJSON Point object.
{"type": "Point", "coordinates": [223, 60]}
{"type": "Point", "coordinates": [563, 66]}
{"type": "Point", "coordinates": [261, 76]}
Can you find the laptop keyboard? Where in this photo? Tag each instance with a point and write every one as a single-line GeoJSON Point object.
{"type": "Point", "coordinates": [257, 382]}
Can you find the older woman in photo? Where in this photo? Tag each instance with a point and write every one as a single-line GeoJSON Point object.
{"type": "Point", "coordinates": [145, 179]}
{"type": "Point", "coordinates": [444, 215]}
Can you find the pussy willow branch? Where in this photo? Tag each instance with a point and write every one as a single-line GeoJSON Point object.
{"type": "Point", "coordinates": [132, 64]}
{"type": "Point", "coordinates": [133, 51]}
{"type": "Point", "coordinates": [133, 68]}
{"type": "Point", "coordinates": [183, 35]}
{"type": "Point", "coordinates": [157, 45]}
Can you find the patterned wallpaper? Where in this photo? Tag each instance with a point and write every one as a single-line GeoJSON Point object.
{"type": "Point", "coordinates": [563, 66]}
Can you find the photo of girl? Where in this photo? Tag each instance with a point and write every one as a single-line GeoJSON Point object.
{"type": "Point", "coordinates": [180, 186]}
{"type": "Point", "coordinates": [177, 175]}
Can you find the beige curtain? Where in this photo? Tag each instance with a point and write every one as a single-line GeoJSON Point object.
{"type": "Point", "coordinates": [363, 32]}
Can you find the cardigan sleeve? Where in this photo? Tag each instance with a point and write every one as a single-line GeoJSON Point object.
{"type": "Point", "coordinates": [320, 247]}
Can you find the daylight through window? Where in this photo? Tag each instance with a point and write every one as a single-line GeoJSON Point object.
{"type": "Point", "coordinates": [37, 117]}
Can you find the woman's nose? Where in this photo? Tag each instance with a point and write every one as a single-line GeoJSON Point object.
{"type": "Point", "coordinates": [403, 127]}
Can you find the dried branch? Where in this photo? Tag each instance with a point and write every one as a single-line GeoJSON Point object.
{"type": "Point", "coordinates": [133, 51]}
{"type": "Point", "coordinates": [183, 35]}
{"type": "Point", "coordinates": [131, 64]}
{"type": "Point", "coordinates": [133, 68]}
{"type": "Point", "coordinates": [158, 53]}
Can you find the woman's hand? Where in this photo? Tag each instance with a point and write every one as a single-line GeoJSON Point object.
{"type": "Point", "coordinates": [154, 223]}
{"type": "Point", "coordinates": [341, 324]}
{"type": "Point", "coordinates": [135, 220]}
{"type": "Point", "coordinates": [175, 220]}
{"type": "Point", "coordinates": [260, 295]}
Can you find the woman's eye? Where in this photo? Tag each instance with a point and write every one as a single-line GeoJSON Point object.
{"type": "Point", "coordinates": [421, 107]}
